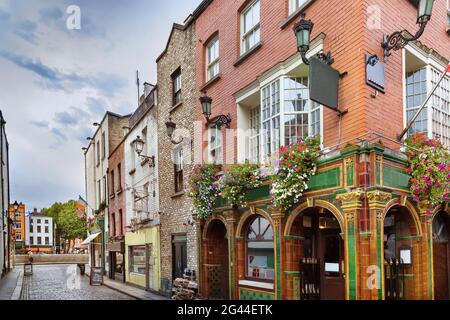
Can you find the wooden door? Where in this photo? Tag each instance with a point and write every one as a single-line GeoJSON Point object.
{"type": "Point", "coordinates": [331, 255]}
{"type": "Point", "coordinates": [441, 270]}
{"type": "Point", "coordinates": [179, 258]}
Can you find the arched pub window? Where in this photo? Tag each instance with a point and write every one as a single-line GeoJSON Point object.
{"type": "Point", "coordinates": [260, 250]}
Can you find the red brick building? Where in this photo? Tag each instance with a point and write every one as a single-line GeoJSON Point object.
{"type": "Point", "coordinates": [247, 62]}
{"type": "Point", "coordinates": [117, 213]}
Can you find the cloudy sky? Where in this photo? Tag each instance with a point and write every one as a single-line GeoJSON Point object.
{"type": "Point", "coordinates": [55, 82]}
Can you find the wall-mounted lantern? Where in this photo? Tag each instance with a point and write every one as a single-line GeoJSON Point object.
{"type": "Point", "coordinates": [219, 121]}
{"type": "Point", "coordinates": [303, 30]}
{"type": "Point", "coordinates": [139, 147]}
{"type": "Point", "coordinates": [398, 40]}
{"type": "Point", "coordinates": [170, 129]}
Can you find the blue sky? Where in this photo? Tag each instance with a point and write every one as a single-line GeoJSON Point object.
{"type": "Point", "coordinates": [55, 82]}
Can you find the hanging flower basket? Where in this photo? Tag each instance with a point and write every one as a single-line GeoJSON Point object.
{"type": "Point", "coordinates": [429, 167]}
{"type": "Point", "coordinates": [237, 181]}
{"type": "Point", "coordinates": [295, 165]}
{"type": "Point", "coordinates": [203, 188]}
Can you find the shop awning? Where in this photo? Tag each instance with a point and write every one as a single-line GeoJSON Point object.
{"type": "Point", "coordinates": [90, 238]}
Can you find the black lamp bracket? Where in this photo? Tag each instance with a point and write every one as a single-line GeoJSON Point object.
{"type": "Point", "coordinates": [399, 39]}
{"type": "Point", "coordinates": [220, 121]}
{"type": "Point", "coordinates": [324, 57]}
{"type": "Point", "coordinates": [151, 159]}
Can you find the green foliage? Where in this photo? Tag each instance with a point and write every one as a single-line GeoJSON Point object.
{"type": "Point", "coordinates": [203, 188]}
{"type": "Point", "coordinates": [429, 167]}
{"type": "Point", "coordinates": [68, 225]}
{"type": "Point", "coordinates": [296, 164]}
{"type": "Point", "coordinates": [239, 178]}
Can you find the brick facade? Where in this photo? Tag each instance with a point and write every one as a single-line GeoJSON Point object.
{"type": "Point", "coordinates": [359, 186]}
{"type": "Point", "coordinates": [116, 192]}
{"type": "Point", "coordinates": [176, 207]}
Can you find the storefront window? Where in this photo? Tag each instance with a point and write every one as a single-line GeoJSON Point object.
{"type": "Point", "coordinates": [137, 259]}
{"type": "Point", "coordinates": [260, 250]}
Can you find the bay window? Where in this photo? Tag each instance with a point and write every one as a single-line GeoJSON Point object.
{"type": "Point", "coordinates": [434, 119]}
{"type": "Point", "coordinates": [250, 27]}
{"type": "Point", "coordinates": [255, 127]}
{"type": "Point", "coordinates": [212, 59]}
{"type": "Point", "coordinates": [270, 114]}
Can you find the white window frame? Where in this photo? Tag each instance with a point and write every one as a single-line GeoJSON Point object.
{"type": "Point", "coordinates": [294, 5]}
{"type": "Point", "coordinates": [255, 134]}
{"type": "Point", "coordinates": [431, 65]}
{"type": "Point", "coordinates": [213, 44]}
{"type": "Point", "coordinates": [217, 148]}
{"type": "Point", "coordinates": [256, 28]}
{"type": "Point", "coordinates": [282, 115]}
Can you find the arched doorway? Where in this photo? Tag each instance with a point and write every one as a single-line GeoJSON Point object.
{"type": "Point", "coordinates": [216, 261]}
{"type": "Point", "coordinates": [399, 235]}
{"type": "Point", "coordinates": [319, 250]}
{"type": "Point", "coordinates": [441, 256]}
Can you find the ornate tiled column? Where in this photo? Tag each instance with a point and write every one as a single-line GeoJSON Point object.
{"type": "Point", "coordinates": [377, 201]}
{"type": "Point", "coordinates": [231, 218]}
{"type": "Point", "coordinates": [277, 217]}
{"type": "Point", "coordinates": [424, 253]}
{"type": "Point", "coordinates": [351, 205]}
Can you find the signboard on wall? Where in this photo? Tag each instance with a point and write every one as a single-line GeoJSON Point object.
{"type": "Point", "coordinates": [324, 84]}
{"type": "Point", "coordinates": [96, 276]}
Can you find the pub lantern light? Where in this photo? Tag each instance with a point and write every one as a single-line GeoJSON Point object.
{"type": "Point", "coordinates": [170, 129]}
{"type": "Point", "coordinates": [399, 39]}
{"type": "Point", "coordinates": [139, 147]}
{"type": "Point", "coordinates": [16, 206]}
{"type": "Point", "coordinates": [302, 31]}
{"type": "Point", "coordinates": [219, 121]}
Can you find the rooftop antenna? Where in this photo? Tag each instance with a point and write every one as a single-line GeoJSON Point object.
{"type": "Point", "coordinates": [138, 84]}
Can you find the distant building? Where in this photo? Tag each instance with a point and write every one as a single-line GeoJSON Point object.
{"type": "Point", "coordinates": [39, 233]}
{"type": "Point", "coordinates": [18, 228]}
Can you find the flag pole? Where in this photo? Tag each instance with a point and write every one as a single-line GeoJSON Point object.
{"type": "Point", "coordinates": [424, 104]}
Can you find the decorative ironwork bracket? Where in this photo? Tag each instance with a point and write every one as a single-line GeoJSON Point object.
{"type": "Point", "coordinates": [326, 58]}
{"type": "Point", "coordinates": [398, 40]}
{"type": "Point", "coordinates": [220, 121]}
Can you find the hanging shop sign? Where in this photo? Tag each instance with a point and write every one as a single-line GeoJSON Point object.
{"type": "Point", "coordinates": [375, 74]}
{"type": "Point", "coordinates": [324, 84]}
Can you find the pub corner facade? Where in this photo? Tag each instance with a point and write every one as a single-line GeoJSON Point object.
{"type": "Point", "coordinates": [346, 236]}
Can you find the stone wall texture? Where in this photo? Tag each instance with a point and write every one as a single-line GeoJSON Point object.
{"type": "Point", "coordinates": [176, 208]}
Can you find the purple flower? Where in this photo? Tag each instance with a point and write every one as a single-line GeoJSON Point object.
{"type": "Point", "coordinates": [416, 198]}
{"type": "Point", "coordinates": [437, 184]}
{"type": "Point", "coordinates": [430, 183]}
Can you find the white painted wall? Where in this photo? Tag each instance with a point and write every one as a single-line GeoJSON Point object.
{"type": "Point", "coordinates": [42, 222]}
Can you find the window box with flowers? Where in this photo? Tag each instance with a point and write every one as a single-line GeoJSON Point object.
{"type": "Point", "coordinates": [239, 179]}
{"type": "Point", "coordinates": [429, 167]}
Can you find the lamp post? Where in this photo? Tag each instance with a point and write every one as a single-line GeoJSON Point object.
{"type": "Point", "coordinates": [399, 39]}
{"type": "Point", "coordinates": [220, 120]}
{"type": "Point", "coordinates": [139, 148]}
{"type": "Point", "coordinates": [302, 31]}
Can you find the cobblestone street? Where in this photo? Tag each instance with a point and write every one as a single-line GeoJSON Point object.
{"type": "Point", "coordinates": [63, 282]}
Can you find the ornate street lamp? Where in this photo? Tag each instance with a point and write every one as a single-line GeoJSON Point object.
{"type": "Point", "coordinates": [399, 39]}
{"type": "Point", "coordinates": [303, 30]}
{"type": "Point", "coordinates": [219, 121]}
{"type": "Point", "coordinates": [139, 147]}
{"type": "Point", "coordinates": [15, 206]}
{"type": "Point", "coordinates": [170, 129]}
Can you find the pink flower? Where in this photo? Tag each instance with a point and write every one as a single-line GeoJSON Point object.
{"type": "Point", "coordinates": [428, 212]}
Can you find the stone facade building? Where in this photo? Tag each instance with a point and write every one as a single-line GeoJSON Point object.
{"type": "Point", "coordinates": [177, 101]}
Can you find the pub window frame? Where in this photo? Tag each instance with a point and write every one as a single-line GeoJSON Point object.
{"type": "Point", "coordinates": [176, 87]}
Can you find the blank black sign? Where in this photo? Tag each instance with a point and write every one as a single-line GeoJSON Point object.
{"type": "Point", "coordinates": [324, 84]}
{"type": "Point", "coordinates": [96, 277]}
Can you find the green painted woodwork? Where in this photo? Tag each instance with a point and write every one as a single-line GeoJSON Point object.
{"type": "Point", "coordinates": [380, 246]}
{"type": "Point", "coordinates": [292, 272]}
{"type": "Point", "coordinates": [351, 244]}
{"type": "Point", "coordinates": [259, 193]}
{"type": "Point", "coordinates": [395, 178]}
{"type": "Point", "coordinates": [296, 284]}
{"type": "Point", "coordinates": [245, 294]}
{"type": "Point", "coordinates": [350, 175]}
{"type": "Point", "coordinates": [290, 237]}
{"type": "Point", "coordinates": [326, 179]}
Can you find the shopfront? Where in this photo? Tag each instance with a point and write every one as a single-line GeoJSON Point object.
{"type": "Point", "coordinates": [116, 252]}
{"type": "Point", "coordinates": [341, 241]}
{"type": "Point", "coordinates": [142, 258]}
